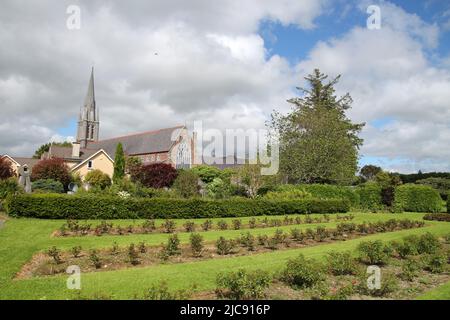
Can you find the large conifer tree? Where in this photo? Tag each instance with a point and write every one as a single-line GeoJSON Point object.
{"type": "Point", "coordinates": [318, 143]}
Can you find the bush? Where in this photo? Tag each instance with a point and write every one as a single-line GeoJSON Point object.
{"type": "Point", "coordinates": [52, 206]}
{"type": "Point", "coordinates": [9, 187]}
{"type": "Point", "coordinates": [389, 284]}
{"type": "Point", "coordinates": [48, 185]}
{"type": "Point", "coordinates": [370, 197]}
{"type": "Point", "coordinates": [302, 273]}
{"type": "Point", "coordinates": [242, 285]}
{"type": "Point", "coordinates": [6, 170]}
{"type": "Point", "coordinates": [442, 185]}
{"type": "Point", "coordinates": [341, 263]}
{"type": "Point", "coordinates": [325, 191]}
{"type": "Point", "coordinates": [186, 184]}
{"type": "Point", "coordinates": [428, 243]}
{"type": "Point", "coordinates": [410, 269]}
{"type": "Point", "coordinates": [288, 194]}
{"type": "Point", "coordinates": [408, 247]}
{"type": "Point", "coordinates": [224, 246]}
{"type": "Point", "coordinates": [161, 291]}
{"type": "Point", "coordinates": [436, 263]}
{"type": "Point", "coordinates": [55, 169]}
{"type": "Point", "coordinates": [207, 173]}
{"type": "Point", "coordinates": [437, 216]}
{"type": "Point", "coordinates": [98, 179]}
{"type": "Point", "coordinates": [416, 198]}
{"type": "Point", "coordinates": [196, 244]}
{"type": "Point", "coordinates": [156, 175]}
{"type": "Point", "coordinates": [374, 252]}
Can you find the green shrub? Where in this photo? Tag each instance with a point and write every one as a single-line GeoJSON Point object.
{"type": "Point", "coordinates": [436, 263]}
{"type": "Point", "coordinates": [370, 196]}
{"type": "Point", "coordinates": [196, 244]}
{"type": "Point", "coordinates": [161, 291]}
{"type": "Point", "coordinates": [173, 245]}
{"type": "Point", "coordinates": [186, 184]}
{"type": "Point", "coordinates": [53, 206]}
{"type": "Point", "coordinates": [374, 252]}
{"type": "Point", "coordinates": [410, 269]}
{"type": "Point", "coordinates": [224, 246]}
{"type": "Point", "coordinates": [55, 253]}
{"type": "Point", "coordinates": [98, 179]}
{"type": "Point", "coordinates": [95, 259]}
{"type": "Point", "coordinates": [408, 247]}
{"type": "Point", "coordinates": [302, 273]}
{"type": "Point", "coordinates": [242, 285]}
{"type": "Point", "coordinates": [48, 185]}
{"type": "Point", "coordinates": [416, 198]}
{"type": "Point", "coordinates": [9, 187]}
{"type": "Point", "coordinates": [133, 255]}
{"type": "Point", "coordinates": [389, 284]}
{"type": "Point", "coordinates": [341, 263]}
{"type": "Point", "coordinates": [428, 243]}
{"type": "Point", "coordinates": [324, 191]}
{"type": "Point", "coordinates": [288, 194]}
{"type": "Point", "coordinates": [75, 251]}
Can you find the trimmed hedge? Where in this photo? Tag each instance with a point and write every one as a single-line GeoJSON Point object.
{"type": "Point", "coordinates": [417, 198]}
{"type": "Point", "coordinates": [326, 191]}
{"type": "Point", "coordinates": [448, 205]}
{"type": "Point", "coordinates": [54, 206]}
{"type": "Point", "coordinates": [370, 196]}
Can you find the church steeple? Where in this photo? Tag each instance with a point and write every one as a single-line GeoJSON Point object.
{"type": "Point", "coordinates": [88, 121]}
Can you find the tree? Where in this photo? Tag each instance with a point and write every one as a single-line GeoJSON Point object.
{"type": "Point", "coordinates": [98, 179]}
{"type": "Point", "coordinates": [318, 143]}
{"type": "Point", "coordinates": [249, 176]}
{"type": "Point", "coordinates": [132, 165]}
{"type": "Point", "coordinates": [46, 147]}
{"type": "Point", "coordinates": [5, 169]}
{"type": "Point", "coordinates": [207, 173]}
{"type": "Point", "coordinates": [119, 163]}
{"type": "Point", "coordinates": [54, 169]}
{"type": "Point", "coordinates": [186, 184]}
{"type": "Point", "coordinates": [155, 175]}
{"type": "Point", "coordinates": [368, 172]}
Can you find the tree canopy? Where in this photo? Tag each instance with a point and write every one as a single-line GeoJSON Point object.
{"type": "Point", "coordinates": [318, 143]}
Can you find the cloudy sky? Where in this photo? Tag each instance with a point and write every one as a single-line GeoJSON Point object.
{"type": "Point", "coordinates": [229, 63]}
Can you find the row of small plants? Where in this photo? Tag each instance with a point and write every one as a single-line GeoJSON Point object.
{"type": "Point", "coordinates": [342, 275]}
{"type": "Point", "coordinates": [116, 257]}
{"type": "Point", "coordinates": [75, 228]}
{"type": "Point", "coordinates": [437, 217]}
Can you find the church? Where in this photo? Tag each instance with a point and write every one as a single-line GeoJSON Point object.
{"type": "Point", "coordinates": [175, 145]}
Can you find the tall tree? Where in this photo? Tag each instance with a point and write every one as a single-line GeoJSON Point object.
{"type": "Point", "coordinates": [318, 143]}
{"type": "Point", "coordinates": [119, 163]}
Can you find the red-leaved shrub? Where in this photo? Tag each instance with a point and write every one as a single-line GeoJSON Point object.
{"type": "Point", "coordinates": [54, 168]}
{"type": "Point", "coordinates": [156, 175]}
{"type": "Point", "coordinates": [5, 169]}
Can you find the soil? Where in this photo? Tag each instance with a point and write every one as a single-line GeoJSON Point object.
{"type": "Point", "coordinates": [43, 265]}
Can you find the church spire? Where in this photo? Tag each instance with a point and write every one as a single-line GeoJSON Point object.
{"type": "Point", "coordinates": [88, 124]}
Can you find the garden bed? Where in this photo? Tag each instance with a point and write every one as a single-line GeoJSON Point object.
{"type": "Point", "coordinates": [55, 262]}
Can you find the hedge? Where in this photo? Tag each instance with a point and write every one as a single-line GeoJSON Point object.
{"type": "Point", "coordinates": [54, 206]}
{"type": "Point", "coordinates": [417, 198]}
{"type": "Point", "coordinates": [437, 217]}
{"type": "Point", "coordinates": [370, 196]}
{"type": "Point", "coordinates": [326, 191]}
{"type": "Point", "coordinates": [448, 205]}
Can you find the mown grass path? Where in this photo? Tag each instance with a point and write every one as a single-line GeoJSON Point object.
{"type": "Point", "coordinates": [21, 238]}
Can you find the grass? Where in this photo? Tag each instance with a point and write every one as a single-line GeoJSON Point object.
{"type": "Point", "coordinates": [440, 293]}
{"type": "Point", "coordinates": [21, 238]}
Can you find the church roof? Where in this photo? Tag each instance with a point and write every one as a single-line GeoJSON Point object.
{"type": "Point", "coordinates": [140, 143]}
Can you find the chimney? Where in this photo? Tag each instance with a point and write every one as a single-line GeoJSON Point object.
{"type": "Point", "coordinates": [75, 149]}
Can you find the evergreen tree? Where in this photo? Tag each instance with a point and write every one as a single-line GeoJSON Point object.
{"type": "Point", "coordinates": [119, 163]}
{"type": "Point", "coordinates": [318, 143]}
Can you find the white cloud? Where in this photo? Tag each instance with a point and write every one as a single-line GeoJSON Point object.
{"type": "Point", "coordinates": [389, 77]}
{"type": "Point", "coordinates": [158, 63]}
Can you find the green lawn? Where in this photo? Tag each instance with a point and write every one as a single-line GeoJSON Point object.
{"type": "Point", "coordinates": [21, 238]}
